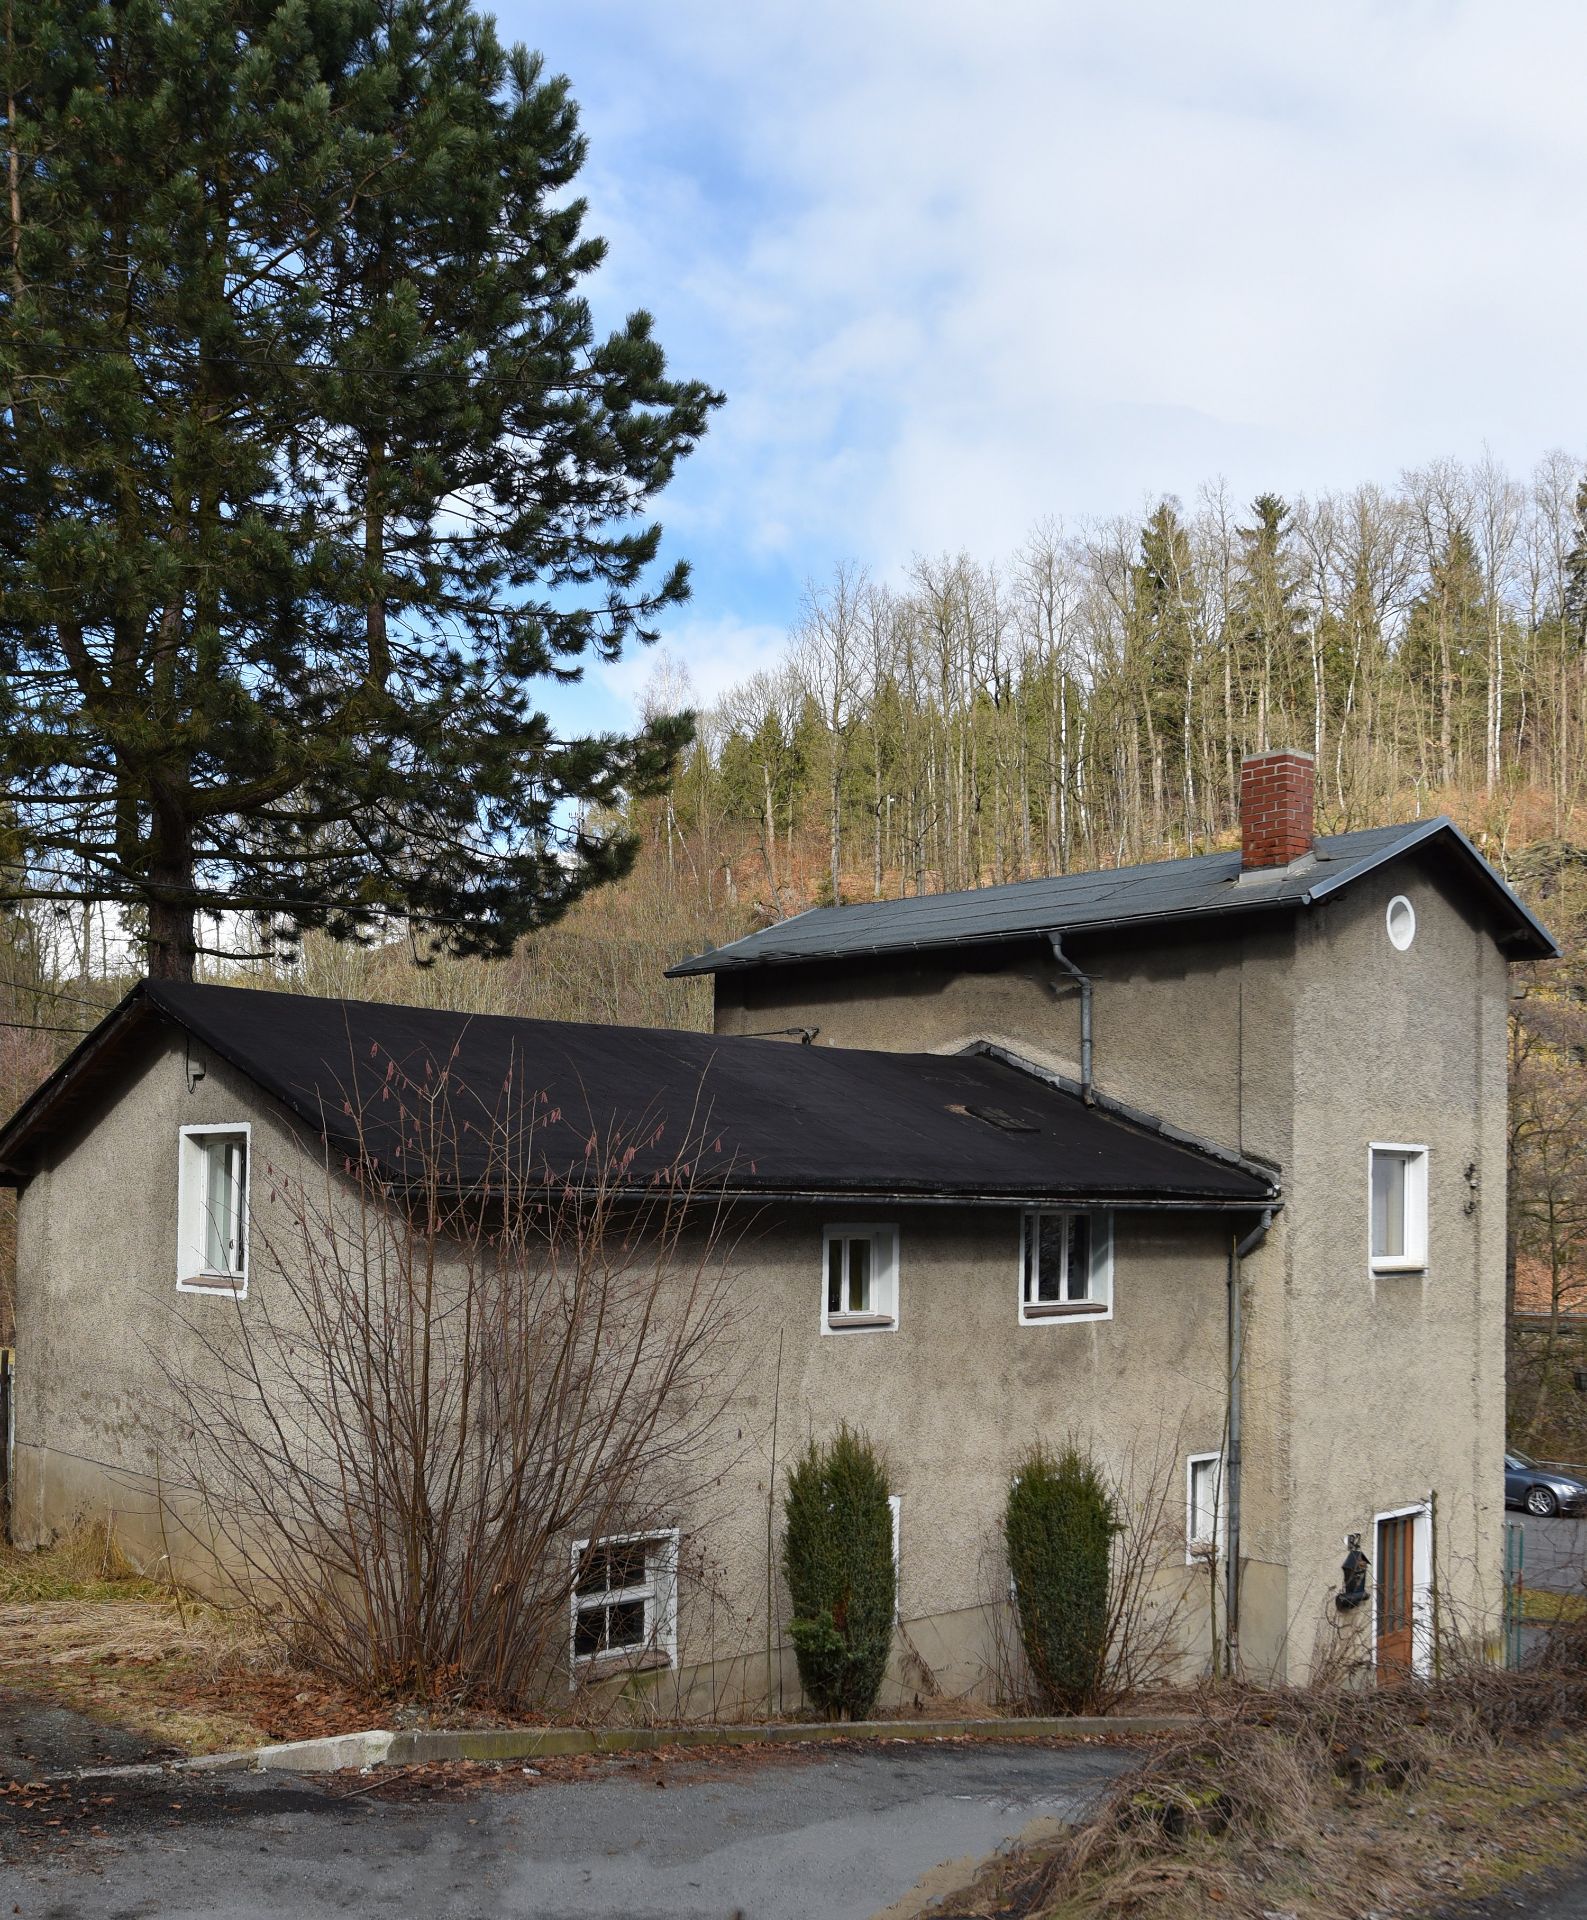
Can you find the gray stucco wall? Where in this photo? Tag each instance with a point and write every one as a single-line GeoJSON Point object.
{"type": "Point", "coordinates": [1399, 1378]}
{"type": "Point", "coordinates": [953, 1396]}
{"type": "Point", "coordinates": [1301, 1043]}
{"type": "Point", "coordinates": [100, 1322]}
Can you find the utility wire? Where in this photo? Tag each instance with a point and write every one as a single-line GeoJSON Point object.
{"type": "Point", "coordinates": [55, 993]}
{"type": "Point", "coordinates": [31, 1026]}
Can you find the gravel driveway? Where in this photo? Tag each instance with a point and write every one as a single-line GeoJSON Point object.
{"type": "Point", "coordinates": [817, 1834]}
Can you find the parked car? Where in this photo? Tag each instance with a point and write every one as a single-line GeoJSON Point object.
{"type": "Point", "coordinates": [1540, 1489]}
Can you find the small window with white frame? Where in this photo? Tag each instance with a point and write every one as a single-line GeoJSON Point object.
{"type": "Point", "coordinates": [624, 1602]}
{"type": "Point", "coordinates": [1065, 1265]}
{"type": "Point", "coordinates": [1204, 1507]}
{"type": "Point", "coordinates": [859, 1279]}
{"type": "Point", "coordinates": [212, 1210]}
{"type": "Point", "coordinates": [1398, 1187]}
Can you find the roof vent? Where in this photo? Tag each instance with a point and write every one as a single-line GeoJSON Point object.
{"type": "Point", "coordinates": [1277, 802]}
{"type": "Point", "coordinates": [998, 1117]}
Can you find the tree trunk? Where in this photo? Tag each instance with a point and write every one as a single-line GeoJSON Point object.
{"type": "Point", "coordinates": [172, 948]}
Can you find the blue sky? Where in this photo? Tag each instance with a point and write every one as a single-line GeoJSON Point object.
{"type": "Point", "coordinates": [959, 268]}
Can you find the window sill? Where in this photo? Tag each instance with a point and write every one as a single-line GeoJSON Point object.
{"type": "Point", "coordinates": [234, 1284]}
{"type": "Point", "coordinates": [1399, 1266]}
{"type": "Point", "coordinates": [652, 1660]}
{"type": "Point", "coordinates": [857, 1322]}
{"type": "Point", "coordinates": [1064, 1309]}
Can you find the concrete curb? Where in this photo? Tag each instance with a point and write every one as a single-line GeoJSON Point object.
{"type": "Point", "coordinates": [379, 1747]}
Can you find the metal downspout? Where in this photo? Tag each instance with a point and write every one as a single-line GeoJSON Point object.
{"type": "Point", "coordinates": [1087, 1087]}
{"type": "Point", "coordinates": [1238, 1249]}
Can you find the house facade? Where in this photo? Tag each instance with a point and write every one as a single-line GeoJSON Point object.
{"type": "Point", "coordinates": [1202, 1163]}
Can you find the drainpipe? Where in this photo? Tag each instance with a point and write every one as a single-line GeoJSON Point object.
{"type": "Point", "coordinates": [1087, 1089]}
{"type": "Point", "coordinates": [1238, 1249]}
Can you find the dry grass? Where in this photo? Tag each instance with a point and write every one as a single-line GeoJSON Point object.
{"type": "Point", "coordinates": [82, 1628]}
{"type": "Point", "coordinates": [1329, 1802]}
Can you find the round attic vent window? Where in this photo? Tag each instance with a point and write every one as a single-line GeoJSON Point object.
{"type": "Point", "coordinates": [1402, 922]}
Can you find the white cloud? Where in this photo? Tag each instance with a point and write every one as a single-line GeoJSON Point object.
{"type": "Point", "coordinates": [715, 654]}
{"type": "Point", "coordinates": [959, 267]}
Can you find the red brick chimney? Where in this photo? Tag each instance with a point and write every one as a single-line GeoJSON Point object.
{"type": "Point", "coordinates": [1276, 796]}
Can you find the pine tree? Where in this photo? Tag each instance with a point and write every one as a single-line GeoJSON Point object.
{"type": "Point", "coordinates": [1268, 617]}
{"type": "Point", "coordinates": [312, 465]}
{"type": "Point", "coordinates": [1576, 573]}
{"type": "Point", "coordinates": [1445, 650]}
{"type": "Point", "coordinates": [1162, 649]}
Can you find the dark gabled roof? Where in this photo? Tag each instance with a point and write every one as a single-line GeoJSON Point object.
{"type": "Point", "coordinates": [1197, 888]}
{"type": "Point", "coordinates": [752, 1116]}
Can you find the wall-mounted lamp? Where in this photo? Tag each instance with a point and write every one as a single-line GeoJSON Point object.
{"type": "Point", "coordinates": [195, 1068]}
{"type": "Point", "coordinates": [1356, 1565]}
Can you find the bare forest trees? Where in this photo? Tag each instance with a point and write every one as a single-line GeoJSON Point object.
{"type": "Point", "coordinates": [1089, 701]}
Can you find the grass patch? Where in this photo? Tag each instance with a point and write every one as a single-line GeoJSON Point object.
{"type": "Point", "coordinates": [1540, 1608]}
{"type": "Point", "coordinates": [85, 1564]}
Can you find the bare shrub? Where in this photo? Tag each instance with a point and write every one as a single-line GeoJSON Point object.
{"type": "Point", "coordinates": [445, 1376]}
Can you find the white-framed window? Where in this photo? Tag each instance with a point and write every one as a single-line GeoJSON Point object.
{"type": "Point", "coordinates": [1397, 1183]}
{"type": "Point", "coordinates": [624, 1605]}
{"type": "Point", "coordinates": [894, 1507]}
{"type": "Point", "coordinates": [1065, 1265]}
{"type": "Point", "coordinates": [859, 1279]}
{"type": "Point", "coordinates": [1205, 1519]}
{"type": "Point", "coordinates": [212, 1209]}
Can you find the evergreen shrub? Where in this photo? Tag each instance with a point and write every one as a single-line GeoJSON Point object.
{"type": "Point", "coordinates": [837, 1557]}
{"type": "Point", "coordinates": [1058, 1526]}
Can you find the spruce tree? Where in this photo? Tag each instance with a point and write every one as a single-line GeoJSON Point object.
{"type": "Point", "coordinates": [312, 465]}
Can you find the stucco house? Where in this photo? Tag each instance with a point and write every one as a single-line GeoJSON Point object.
{"type": "Point", "coordinates": [1202, 1160]}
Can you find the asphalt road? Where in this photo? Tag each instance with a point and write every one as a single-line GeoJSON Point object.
{"type": "Point", "coordinates": [1556, 1897]}
{"type": "Point", "coordinates": [1556, 1552]}
{"type": "Point", "coordinates": [823, 1835]}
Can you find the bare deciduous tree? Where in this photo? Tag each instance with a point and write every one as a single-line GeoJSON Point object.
{"type": "Point", "coordinates": [445, 1376]}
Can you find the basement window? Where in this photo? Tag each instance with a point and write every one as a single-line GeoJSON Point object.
{"type": "Point", "coordinates": [1065, 1265]}
{"type": "Point", "coordinates": [1203, 1506]}
{"type": "Point", "coordinates": [1398, 1185]}
{"type": "Point", "coordinates": [624, 1602]}
{"type": "Point", "coordinates": [860, 1279]}
{"type": "Point", "coordinates": [212, 1210]}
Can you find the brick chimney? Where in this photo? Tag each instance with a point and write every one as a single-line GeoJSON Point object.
{"type": "Point", "coordinates": [1276, 795]}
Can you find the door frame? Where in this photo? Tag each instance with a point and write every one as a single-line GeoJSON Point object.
{"type": "Point", "coordinates": [1421, 1512]}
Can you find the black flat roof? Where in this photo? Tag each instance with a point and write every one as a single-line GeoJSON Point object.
{"type": "Point", "coordinates": [1199, 887]}
{"type": "Point", "coordinates": [756, 1117]}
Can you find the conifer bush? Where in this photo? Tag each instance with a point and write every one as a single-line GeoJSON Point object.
{"type": "Point", "coordinates": [1058, 1526]}
{"type": "Point", "coordinates": [837, 1557]}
